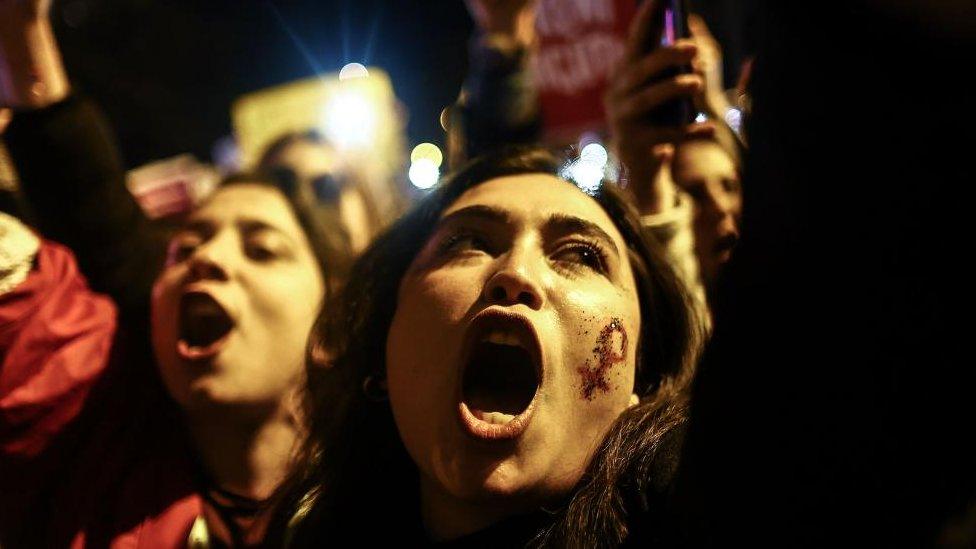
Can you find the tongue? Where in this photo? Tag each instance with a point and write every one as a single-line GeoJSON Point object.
{"type": "Point", "coordinates": [499, 379]}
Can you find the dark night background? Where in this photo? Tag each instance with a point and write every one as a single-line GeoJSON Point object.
{"type": "Point", "coordinates": [167, 72]}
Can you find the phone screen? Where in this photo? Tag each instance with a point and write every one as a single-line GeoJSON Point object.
{"type": "Point", "coordinates": [675, 22]}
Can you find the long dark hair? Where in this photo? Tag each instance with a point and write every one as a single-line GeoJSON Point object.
{"type": "Point", "coordinates": [355, 468]}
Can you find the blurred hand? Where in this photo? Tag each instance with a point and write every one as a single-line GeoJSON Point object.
{"type": "Point", "coordinates": [646, 150]}
{"type": "Point", "coordinates": [5, 116]}
{"type": "Point", "coordinates": [14, 11]}
{"type": "Point", "coordinates": [512, 18]}
{"type": "Point", "coordinates": [31, 72]}
{"type": "Point", "coordinates": [708, 64]}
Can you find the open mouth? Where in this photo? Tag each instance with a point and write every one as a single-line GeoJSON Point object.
{"type": "Point", "coordinates": [726, 243]}
{"type": "Point", "coordinates": [204, 326]}
{"type": "Point", "coordinates": [502, 374]}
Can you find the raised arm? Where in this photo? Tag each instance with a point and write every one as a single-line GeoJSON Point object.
{"type": "Point", "coordinates": [67, 160]}
{"type": "Point", "coordinates": [499, 104]}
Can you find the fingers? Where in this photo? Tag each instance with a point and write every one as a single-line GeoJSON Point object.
{"type": "Point", "coordinates": [634, 75]}
{"type": "Point", "coordinates": [645, 29]}
{"type": "Point", "coordinates": [655, 95]}
{"type": "Point", "coordinates": [663, 154]}
{"type": "Point", "coordinates": [699, 29]}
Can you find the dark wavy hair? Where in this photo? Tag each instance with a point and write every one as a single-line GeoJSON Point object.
{"type": "Point", "coordinates": [355, 473]}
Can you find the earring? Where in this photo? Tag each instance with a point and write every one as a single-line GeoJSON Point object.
{"type": "Point", "coordinates": [374, 387]}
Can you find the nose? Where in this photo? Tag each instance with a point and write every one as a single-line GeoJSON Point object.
{"type": "Point", "coordinates": [513, 284]}
{"type": "Point", "coordinates": [205, 263]}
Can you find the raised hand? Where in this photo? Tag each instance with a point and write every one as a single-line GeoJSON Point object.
{"type": "Point", "coordinates": [512, 18]}
{"type": "Point", "coordinates": [635, 90]}
{"type": "Point", "coordinates": [31, 72]}
{"type": "Point", "coordinates": [23, 9]}
{"type": "Point", "coordinates": [708, 64]}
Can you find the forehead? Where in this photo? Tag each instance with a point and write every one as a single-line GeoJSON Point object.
{"type": "Point", "coordinates": [535, 198]}
{"type": "Point", "coordinates": [308, 157]}
{"type": "Point", "coordinates": [247, 202]}
{"type": "Point", "coordinates": [703, 156]}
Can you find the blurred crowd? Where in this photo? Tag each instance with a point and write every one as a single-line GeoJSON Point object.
{"type": "Point", "coordinates": [642, 306]}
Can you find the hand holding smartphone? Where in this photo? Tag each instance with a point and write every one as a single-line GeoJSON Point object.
{"type": "Point", "coordinates": [650, 100]}
{"type": "Point", "coordinates": [670, 24]}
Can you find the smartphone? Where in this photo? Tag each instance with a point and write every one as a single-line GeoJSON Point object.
{"type": "Point", "coordinates": [674, 27]}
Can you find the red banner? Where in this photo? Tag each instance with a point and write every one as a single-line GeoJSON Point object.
{"type": "Point", "coordinates": [580, 43]}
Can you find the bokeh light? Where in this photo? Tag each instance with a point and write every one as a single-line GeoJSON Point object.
{"type": "Point", "coordinates": [595, 154]}
{"type": "Point", "coordinates": [350, 120]}
{"type": "Point", "coordinates": [353, 70]}
{"type": "Point", "coordinates": [423, 173]}
{"type": "Point", "coordinates": [733, 117]}
{"type": "Point", "coordinates": [427, 151]}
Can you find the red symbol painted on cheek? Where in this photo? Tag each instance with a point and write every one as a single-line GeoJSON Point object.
{"type": "Point", "coordinates": [595, 377]}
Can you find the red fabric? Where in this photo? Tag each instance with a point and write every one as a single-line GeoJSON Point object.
{"type": "Point", "coordinates": [71, 469]}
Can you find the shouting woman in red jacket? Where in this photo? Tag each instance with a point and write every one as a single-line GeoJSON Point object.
{"type": "Point", "coordinates": [162, 413]}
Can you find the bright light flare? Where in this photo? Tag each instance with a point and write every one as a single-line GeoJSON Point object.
{"type": "Point", "coordinates": [427, 151]}
{"type": "Point", "coordinates": [350, 120]}
{"type": "Point", "coordinates": [353, 70]}
{"type": "Point", "coordinates": [424, 173]}
{"type": "Point", "coordinates": [595, 154]}
{"type": "Point", "coordinates": [589, 170]}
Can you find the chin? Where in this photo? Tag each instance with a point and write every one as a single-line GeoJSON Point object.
{"type": "Point", "coordinates": [499, 480]}
{"type": "Point", "coordinates": [204, 393]}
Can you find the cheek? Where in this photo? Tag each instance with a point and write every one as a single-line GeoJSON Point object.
{"type": "Point", "coordinates": [287, 300]}
{"type": "Point", "coordinates": [601, 366]}
{"type": "Point", "coordinates": [164, 301]}
{"type": "Point", "coordinates": [425, 334]}
{"type": "Point", "coordinates": [438, 298]}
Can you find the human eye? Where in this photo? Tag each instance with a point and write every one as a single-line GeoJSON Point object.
{"type": "Point", "coordinates": [182, 246]}
{"type": "Point", "coordinates": [731, 185]}
{"type": "Point", "coordinates": [578, 255]}
{"type": "Point", "coordinates": [463, 241]}
{"type": "Point", "coordinates": [264, 247]}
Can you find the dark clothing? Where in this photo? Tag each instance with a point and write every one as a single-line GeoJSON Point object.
{"type": "Point", "coordinates": [499, 104]}
{"type": "Point", "coordinates": [74, 185]}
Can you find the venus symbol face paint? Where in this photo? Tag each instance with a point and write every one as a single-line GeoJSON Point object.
{"type": "Point", "coordinates": [610, 350]}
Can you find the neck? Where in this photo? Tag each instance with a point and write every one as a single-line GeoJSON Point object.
{"type": "Point", "coordinates": [246, 456]}
{"type": "Point", "coordinates": [447, 517]}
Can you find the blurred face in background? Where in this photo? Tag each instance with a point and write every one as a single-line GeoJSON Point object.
{"type": "Point", "coordinates": [511, 350]}
{"type": "Point", "coordinates": [233, 306]}
{"type": "Point", "coordinates": [320, 165]}
{"type": "Point", "coordinates": [704, 170]}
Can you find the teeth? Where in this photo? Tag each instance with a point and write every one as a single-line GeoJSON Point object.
{"type": "Point", "coordinates": [498, 418]}
{"type": "Point", "coordinates": [503, 338]}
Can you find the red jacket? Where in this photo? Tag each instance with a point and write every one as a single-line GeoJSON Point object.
{"type": "Point", "coordinates": [82, 463]}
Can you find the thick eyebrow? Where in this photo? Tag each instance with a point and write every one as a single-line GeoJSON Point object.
{"type": "Point", "coordinates": [479, 212]}
{"type": "Point", "coordinates": [251, 226]}
{"type": "Point", "coordinates": [197, 226]}
{"type": "Point", "coordinates": [570, 224]}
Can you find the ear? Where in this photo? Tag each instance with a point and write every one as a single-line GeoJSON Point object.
{"type": "Point", "coordinates": [634, 400]}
